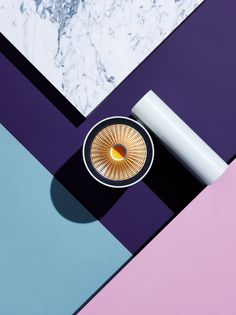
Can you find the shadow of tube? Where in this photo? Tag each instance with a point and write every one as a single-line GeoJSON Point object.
{"type": "Point", "coordinates": [170, 180]}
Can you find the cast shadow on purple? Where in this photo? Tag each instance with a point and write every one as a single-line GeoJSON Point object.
{"type": "Point", "coordinates": [41, 83]}
{"type": "Point", "coordinates": [168, 179]}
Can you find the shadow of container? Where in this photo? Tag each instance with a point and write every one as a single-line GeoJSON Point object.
{"type": "Point", "coordinates": [96, 198]}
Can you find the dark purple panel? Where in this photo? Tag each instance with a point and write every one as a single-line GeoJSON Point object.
{"type": "Point", "coordinates": [134, 215]}
{"type": "Point", "coordinates": [193, 71]}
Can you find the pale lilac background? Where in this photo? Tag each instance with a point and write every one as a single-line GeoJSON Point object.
{"type": "Point", "coordinates": [189, 268]}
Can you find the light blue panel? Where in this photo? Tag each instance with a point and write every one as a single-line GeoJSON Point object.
{"type": "Point", "coordinates": [48, 265]}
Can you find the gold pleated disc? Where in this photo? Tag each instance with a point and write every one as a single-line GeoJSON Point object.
{"type": "Point", "coordinates": [118, 152]}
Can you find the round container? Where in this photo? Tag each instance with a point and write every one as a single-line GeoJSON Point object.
{"type": "Point", "coordinates": [118, 152]}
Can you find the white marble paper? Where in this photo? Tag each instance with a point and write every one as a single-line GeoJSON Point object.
{"type": "Point", "coordinates": [87, 47]}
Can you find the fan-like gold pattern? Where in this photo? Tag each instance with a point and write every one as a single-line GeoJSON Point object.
{"type": "Point", "coordinates": [118, 152]}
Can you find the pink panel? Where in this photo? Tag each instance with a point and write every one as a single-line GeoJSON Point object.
{"type": "Point", "coordinates": [189, 268]}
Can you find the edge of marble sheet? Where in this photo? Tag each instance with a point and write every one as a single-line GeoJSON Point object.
{"type": "Point", "coordinates": [188, 268]}
{"type": "Point", "coordinates": [116, 37]}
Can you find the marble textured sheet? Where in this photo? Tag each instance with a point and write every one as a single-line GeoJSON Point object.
{"type": "Point", "coordinates": [85, 48]}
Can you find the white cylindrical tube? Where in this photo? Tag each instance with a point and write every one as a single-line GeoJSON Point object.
{"type": "Point", "coordinates": [179, 138]}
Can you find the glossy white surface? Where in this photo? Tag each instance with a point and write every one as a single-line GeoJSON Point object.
{"type": "Point", "coordinates": [179, 138]}
{"type": "Point", "coordinates": [87, 47]}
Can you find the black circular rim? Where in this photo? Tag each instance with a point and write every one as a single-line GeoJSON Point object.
{"type": "Point", "coordinates": [130, 123]}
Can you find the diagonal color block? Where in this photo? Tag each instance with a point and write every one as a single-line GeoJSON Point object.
{"type": "Point", "coordinates": [48, 265]}
{"type": "Point", "coordinates": [189, 268]}
{"type": "Point", "coordinates": [86, 48]}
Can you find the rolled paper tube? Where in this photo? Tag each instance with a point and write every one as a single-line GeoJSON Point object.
{"type": "Point", "coordinates": [179, 138]}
